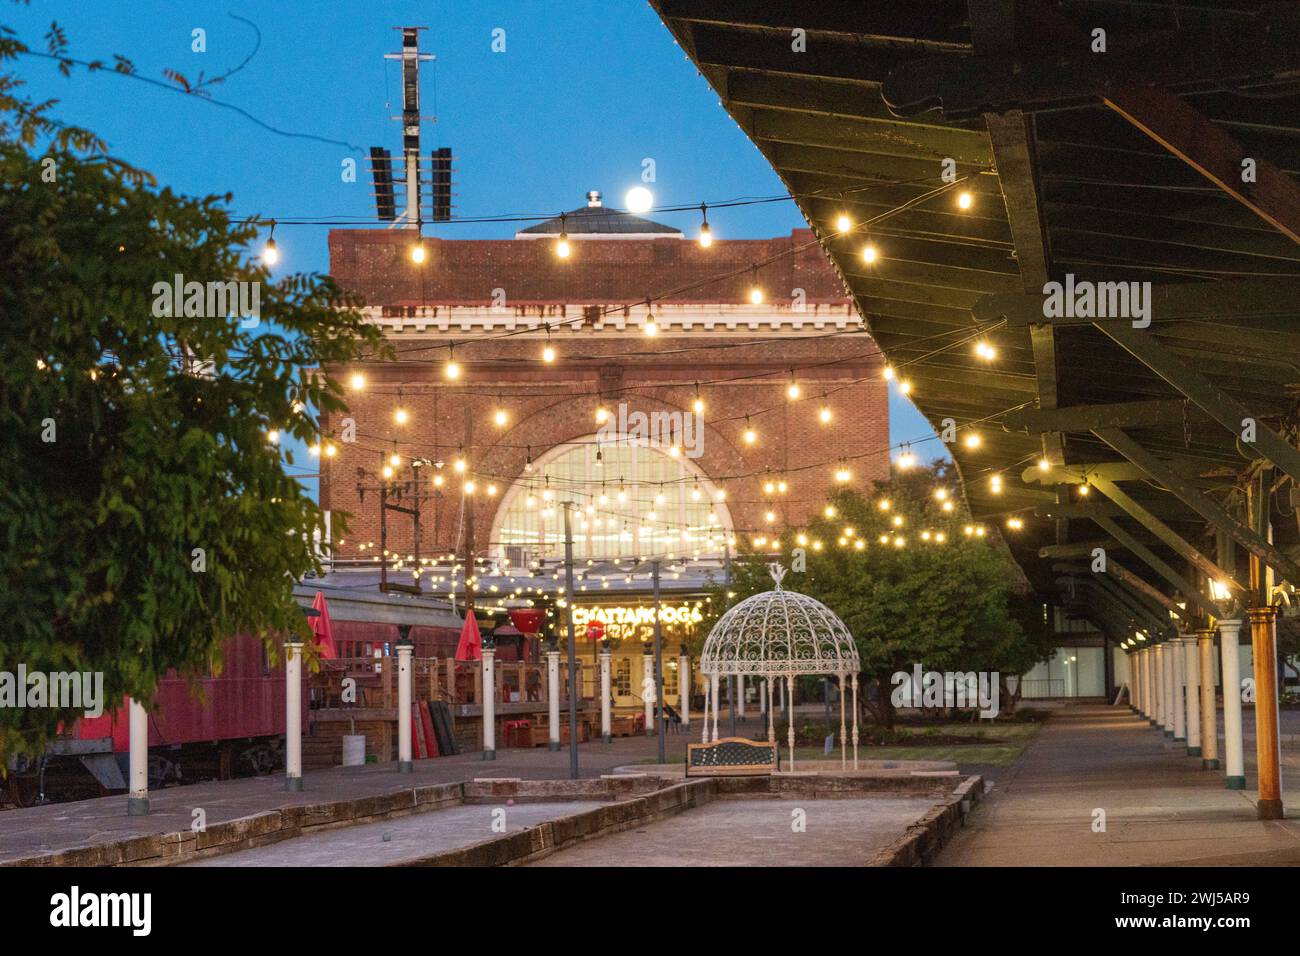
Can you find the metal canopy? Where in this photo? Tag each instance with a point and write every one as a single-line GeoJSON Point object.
{"type": "Point", "coordinates": [1119, 168]}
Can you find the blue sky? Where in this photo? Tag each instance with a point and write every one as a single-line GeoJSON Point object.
{"type": "Point", "coordinates": [584, 92]}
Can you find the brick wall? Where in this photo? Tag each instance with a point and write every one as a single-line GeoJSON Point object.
{"type": "Point", "coordinates": [551, 404]}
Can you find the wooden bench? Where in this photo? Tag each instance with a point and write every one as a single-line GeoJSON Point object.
{"type": "Point", "coordinates": [732, 757]}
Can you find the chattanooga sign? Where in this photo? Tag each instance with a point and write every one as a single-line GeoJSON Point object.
{"type": "Point", "coordinates": [636, 622]}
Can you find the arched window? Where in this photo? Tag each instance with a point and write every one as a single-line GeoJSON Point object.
{"type": "Point", "coordinates": [630, 500]}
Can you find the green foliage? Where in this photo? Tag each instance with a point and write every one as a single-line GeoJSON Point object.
{"type": "Point", "coordinates": [151, 460]}
{"type": "Point", "coordinates": [945, 606]}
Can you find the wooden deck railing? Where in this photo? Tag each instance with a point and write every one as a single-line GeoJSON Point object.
{"type": "Point", "coordinates": [433, 678]}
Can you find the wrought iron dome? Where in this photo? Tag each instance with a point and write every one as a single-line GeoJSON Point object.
{"type": "Point", "coordinates": [778, 633]}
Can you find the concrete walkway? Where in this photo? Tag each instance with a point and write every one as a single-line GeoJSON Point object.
{"type": "Point", "coordinates": [1159, 807]}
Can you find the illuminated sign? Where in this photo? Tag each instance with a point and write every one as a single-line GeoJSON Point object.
{"type": "Point", "coordinates": [637, 623]}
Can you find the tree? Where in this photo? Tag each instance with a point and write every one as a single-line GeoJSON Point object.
{"type": "Point", "coordinates": [146, 516]}
{"type": "Point", "coordinates": [912, 577]}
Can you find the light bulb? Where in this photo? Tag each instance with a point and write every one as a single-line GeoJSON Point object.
{"type": "Point", "coordinates": [965, 200]}
{"type": "Point", "coordinates": [756, 295]}
{"type": "Point", "coordinates": [973, 440]}
{"type": "Point", "coordinates": [843, 223]}
{"type": "Point", "coordinates": [888, 372]}
{"type": "Point", "coordinates": [452, 369]}
{"type": "Point", "coordinates": [501, 417]}
{"type": "Point", "coordinates": [751, 436]}
{"type": "Point", "coordinates": [313, 450]}
{"type": "Point", "coordinates": [562, 248]}
{"type": "Point", "coordinates": [418, 253]}
{"type": "Point", "coordinates": [869, 253]}
{"type": "Point", "coordinates": [706, 236]}
{"type": "Point", "coordinates": [792, 391]}
{"type": "Point", "coordinates": [1044, 465]}
{"type": "Point", "coordinates": [651, 327]}
{"type": "Point", "coordinates": [273, 437]}
{"type": "Point", "coordinates": [825, 415]}
{"type": "Point", "coordinates": [602, 414]}
{"type": "Point", "coordinates": [357, 381]}
{"type": "Point", "coordinates": [394, 459]}
{"type": "Point", "coordinates": [459, 465]}
{"type": "Point", "coordinates": [905, 387]}
{"type": "Point", "coordinates": [829, 511]}
{"type": "Point", "coordinates": [698, 406]}
{"type": "Point", "coordinates": [548, 354]}
{"type": "Point", "coordinates": [270, 254]}
{"type": "Point", "coordinates": [400, 415]}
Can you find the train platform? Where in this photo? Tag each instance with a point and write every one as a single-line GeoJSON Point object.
{"type": "Point", "coordinates": [99, 832]}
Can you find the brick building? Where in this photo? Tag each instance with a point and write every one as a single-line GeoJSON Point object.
{"type": "Point", "coordinates": [494, 306]}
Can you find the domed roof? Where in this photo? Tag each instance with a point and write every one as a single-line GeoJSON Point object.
{"type": "Point", "coordinates": [779, 632]}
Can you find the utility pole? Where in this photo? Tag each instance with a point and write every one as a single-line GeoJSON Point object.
{"type": "Point", "coordinates": [573, 660]}
{"type": "Point", "coordinates": [468, 504]}
{"type": "Point", "coordinates": [411, 57]}
{"type": "Point", "coordinates": [659, 663]}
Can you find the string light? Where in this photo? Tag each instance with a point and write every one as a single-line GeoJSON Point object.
{"type": "Point", "coordinates": [452, 370]}
{"type": "Point", "coordinates": [973, 440]}
{"type": "Point", "coordinates": [1084, 489]}
{"type": "Point", "coordinates": [548, 350]}
{"type": "Point", "coordinates": [651, 327]}
{"type": "Point", "coordinates": [756, 291]}
{"type": "Point", "coordinates": [270, 254]}
{"type": "Point", "coordinates": [1015, 524]}
{"type": "Point", "coordinates": [400, 415]}
{"type": "Point", "coordinates": [985, 351]}
{"type": "Point", "coordinates": [825, 415]}
{"type": "Point", "coordinates": [706, 234]}
{"type": "Point", "coordinates": [906, 459]}
{"type": "Point", "coordinates": [273, 436]}
{"type": "Point", "coordinates": [965, 200]}
{"type": "Point", "coordinates": [357, 381]}
{"type": "Point", "coordinates": [843, 475]}
{"type": "Point", "coordinates": [418, 252]}
{"type": "Point", "coordinates": [995, 484]}
{"type": "Point", "coordinates": [501, 417]}
{"type": "Point", "coordinates": [562, 244]}
{"type": "Point", "coordinates": [905, 387]}
{"type": "Point", "coordinates": [698, 404]}
{"type": "Point", "coordinates": [792, 391]}
{"type": "Point", "coordinates": [1044, 465]}
{"type": "Point", "coordinates": [602, 414]}
{"type": "Point", "coordinates": [941, 494]}
{"type": "Point", "coordinates": [869, 253]}
{"type": "Point", "coordinates": [843, 223]}
{"type": "Point", "coordinates": [751, 436]}
{"type": "Point", "coordinates": [883, 504]}
{"type": "Point", "coordinates": [888, 373]}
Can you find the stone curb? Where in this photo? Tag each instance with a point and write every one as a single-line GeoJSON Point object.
{"type": "Point", "coordinates": [925, 838]}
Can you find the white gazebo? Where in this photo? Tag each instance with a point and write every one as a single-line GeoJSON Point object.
{"type": "Point", "coordinates": [780, 634]}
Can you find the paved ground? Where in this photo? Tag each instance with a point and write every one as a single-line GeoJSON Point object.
{"type": "Point", "coordinates": [1160, 807]}
{"type": "Point", "coordinates": [755, 833]}
{"type": "Point", "coordinates": [69, 825]}
{"type": "Point", "coordinates": [406, 838]}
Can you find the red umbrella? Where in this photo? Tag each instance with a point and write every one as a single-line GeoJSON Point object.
{"type": "Point", "coordinates": [470, 647]}
{"type": "Point", "coordinates": [320, 626]}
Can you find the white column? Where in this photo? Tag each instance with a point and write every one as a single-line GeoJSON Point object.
{"type": "Point", "coordinates": [771, 712]}
{"type": "Point", "coordinates": [1171, 685]}
{"type": "Point", "coordinates": [489, 695]}
{"type": "Point", "coordinates": [1149, 684]}
{"type": "Point", "coordinates": [1192, 673]}
{"type": "Point", "coordinates": [293, 715]}
{"type": "Point", "coordinates": [714, 697]}
{"type": "Point", "coordinates": [708, 702]}
{"type": "Point", "coordinates": [844, 740]}
{"type": "Point", "coordinates": [740, 696]}
{"type": "Point", "coordinates": [137, 801]}
{"type": "Point", "coordinates": [1162, 664]}
{"type": "Point", "coordinates": [1135, 680]}
{"type": "Point", "coordinates": [1209, 712]}
{"type": "Point", "coordinates": [1180, 686]}
{"type": "Point", "coordinates": [649, 691]}
{"type": "Point", "coordinates": [1230, 669]}
{"type": "Point", "coordinates": [789, 736]}
{"type": "Point", "coordinates": [606, 721]}
{"type": "Point", "coordinates": [855, 721]}
{"type": "Point", "coordinates": [762, 696]}
{"type": "Point", "coordinates": [404, 764]}
{"type": "Point", "coordinates": [684, 688]}
{"type": "Point", "coordinates": [553, 697]}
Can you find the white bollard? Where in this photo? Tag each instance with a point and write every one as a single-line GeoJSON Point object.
{"type": "Point", "coordinates": [553, 695]}
{"type": "Point", "coordinates": [489, 702]}
{"type": "Point", "coordinates": [684, 689]}
{"type": "Point", "coordinates": [1209, 712]}
{"type": "Point", "coordinates": [137, 801]}
{"type": "Point", "coordinates": [1230, 667]}
{"type": "Point", "coordinates": [404, 762]}
{"type": "Point", "coordinates": [606, 718]}
{"type": "Point", "coordinates": [1180, 685]}
{"type": "Point", "coordinates": [293, 716]}
{"type": "Point", "coordinates": [1192, 675]}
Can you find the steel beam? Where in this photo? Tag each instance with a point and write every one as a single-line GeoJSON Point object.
{"type": "Point", "coordinates": [1183, 586]}
{"type": "Point", "coordinates": [1195, 139]}
{"type": "Point", "coordinates": [1198, 502]}
{"type": "Point", "coordinates": [1084, 418]}
{"type": "Point", "coordinates": [1214, 401]}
